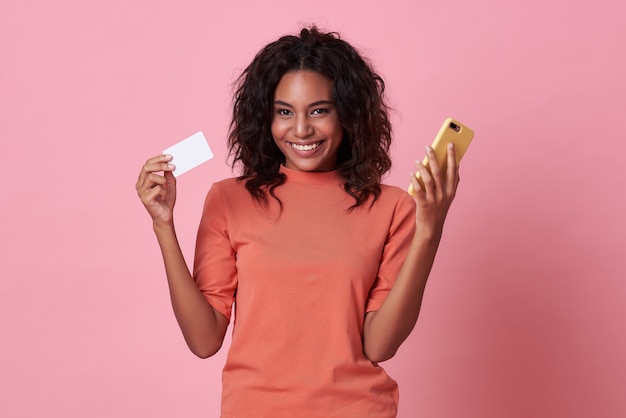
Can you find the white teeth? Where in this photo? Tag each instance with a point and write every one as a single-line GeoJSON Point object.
{"type": "Point", "coordinates": [309, 147]}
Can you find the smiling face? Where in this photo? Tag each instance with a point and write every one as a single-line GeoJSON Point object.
{"type": "Point", "coordinates": [305, 125]}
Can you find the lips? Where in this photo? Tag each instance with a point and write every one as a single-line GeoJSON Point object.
{"type": "Point", "coordinates": [305, 147]}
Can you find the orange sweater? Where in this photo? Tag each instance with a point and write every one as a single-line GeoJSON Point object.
{"type": "Point", "coordinates": [302, 280]}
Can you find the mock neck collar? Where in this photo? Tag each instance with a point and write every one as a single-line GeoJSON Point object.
{"type": "Point", "coordinates": [314, 178]}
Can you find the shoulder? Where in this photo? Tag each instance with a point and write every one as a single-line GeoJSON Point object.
{"type": "Point", "coordinates": [401, 208]}
{"type": "Point", "coordinates": [394, 195]}
{"type": "Point", "coordinates": [392, 205]}
{"type": "Point", "coordinates": [228, 186]}
{"type": "Point", "coordinates": [398, 205]}
{"type": "Point", "coordinates": [227, 192]}
{"type": "Point", "coordinates": [229, 183]}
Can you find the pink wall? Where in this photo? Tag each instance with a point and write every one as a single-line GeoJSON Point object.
{"type": "Point", "coordinates": [524, 314]}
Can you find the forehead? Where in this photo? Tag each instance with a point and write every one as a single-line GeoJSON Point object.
{"type": "Point", "coordinates": [304, 85]}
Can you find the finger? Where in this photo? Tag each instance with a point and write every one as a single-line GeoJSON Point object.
{"type": "Point", "coordinates": [157, 183]}
{"type": "Point", "coordinates": [416, 190]}
{"type": "Point", "coordinates": [149, 197]}
{"type": "Point", "coordinates": [435, 171]}
{"type": "Point", "coordinates": [452, 171]}
{"type": "Point", "coordinates": [171, 189]}
{"type": "Point", "coordinates": [158, 163]}
{"type": "Point", "coordinates": [156, 180]}
{"type": "Point", "coordinates": [169, 176]}
{"type": "Point", "coordinates": [153, 189]}
{"type": "Point", "coordinates": [427, 180]}
{"type": "Point", "coordinates": [156, 167]}
{"type": "Point", "coordinates": [148, 181]}
{"type": "Point", "coordinates": [159, 158]}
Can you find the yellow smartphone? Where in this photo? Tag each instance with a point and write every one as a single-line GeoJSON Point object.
{"type": "Point", "coordinates": [451, 131]}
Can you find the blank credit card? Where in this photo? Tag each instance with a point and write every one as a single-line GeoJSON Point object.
{"type": "Point", "coordinates": [189, 153]}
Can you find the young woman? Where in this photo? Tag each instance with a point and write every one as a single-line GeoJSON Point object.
{"type": "Point", "coordinates": [327, 266]}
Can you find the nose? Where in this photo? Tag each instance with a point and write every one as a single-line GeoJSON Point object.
{"type": "Point", "coordinates": [302, 126]}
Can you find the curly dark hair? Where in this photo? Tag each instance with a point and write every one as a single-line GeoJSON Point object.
{"type": "Point", "coordinates": [358, 96]}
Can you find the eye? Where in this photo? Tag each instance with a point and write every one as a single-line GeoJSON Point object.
{"type": "Point", "coordinates": [319, 111]}
{"type": "Point", "coordinates": [283, 112]}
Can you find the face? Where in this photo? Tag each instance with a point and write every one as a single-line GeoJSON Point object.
{"type": "Point", "coordinates": [305, 125]}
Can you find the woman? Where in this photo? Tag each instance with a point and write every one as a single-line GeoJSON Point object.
{"type": "Point", "coordinates": [326, 264]}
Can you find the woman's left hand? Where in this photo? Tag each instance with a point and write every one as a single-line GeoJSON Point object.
{"type": "Point", "coordinates": [434, 199]}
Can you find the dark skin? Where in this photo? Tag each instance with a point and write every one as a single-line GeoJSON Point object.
{"type": "Point", "coordinates": [384, 330]}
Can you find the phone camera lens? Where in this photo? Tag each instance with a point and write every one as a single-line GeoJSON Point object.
{"type": "Point", "coordinates": [455, 127]}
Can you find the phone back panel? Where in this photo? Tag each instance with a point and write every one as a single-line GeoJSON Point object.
{"type": "Point", "coordinates": [455, 132]}
{"type": "Point", "coordinates": [451, 131]}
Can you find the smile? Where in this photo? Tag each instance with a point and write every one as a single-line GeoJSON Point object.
{"type": "Point", "coordinates": [308, 147]}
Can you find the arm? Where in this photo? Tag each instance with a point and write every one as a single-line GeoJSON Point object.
{"type": "Point", "coordinates": [203, 327]}
{"type": "Point", "coordinates": [385, 329]}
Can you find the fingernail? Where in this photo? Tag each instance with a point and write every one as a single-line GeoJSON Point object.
{"type": "Point", "coordinates": [168, 156]}
{"type": "Point", "coordinates": [429, 149]}
{"type": "Point", "coordinates": [450, 145]}
{"type": "Point", "coordinates": [172, 166]}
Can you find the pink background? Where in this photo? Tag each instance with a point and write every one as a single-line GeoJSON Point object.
{"type": "Point", "coordinates": [524, 314]}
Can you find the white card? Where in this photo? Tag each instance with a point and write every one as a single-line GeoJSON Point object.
{"type": "Point", "coordinates": [189, 153]}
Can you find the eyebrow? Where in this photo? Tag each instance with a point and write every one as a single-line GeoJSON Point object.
{"type": "Point", "coordinates": [318, 103]}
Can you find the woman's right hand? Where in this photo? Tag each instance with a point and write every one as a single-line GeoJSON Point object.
{"type": "Point", "coordinates": [158, 192]}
